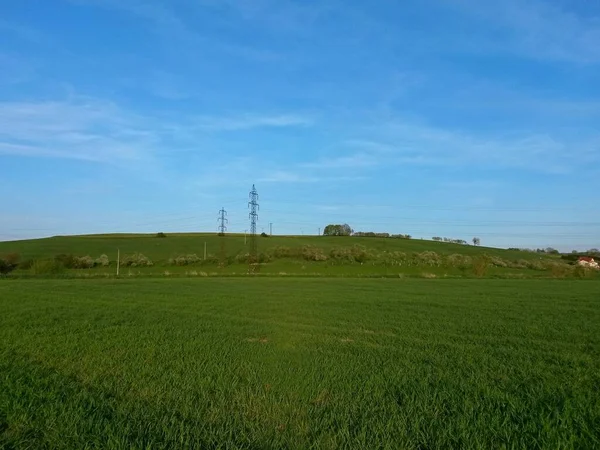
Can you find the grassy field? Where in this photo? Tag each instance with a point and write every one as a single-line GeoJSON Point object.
{"type": "Point", "coordinates": [284, 255]}
{"type": "Point", "coordinates": [162, 249]}
{"type": "Point", "coordinates": [295, 363]}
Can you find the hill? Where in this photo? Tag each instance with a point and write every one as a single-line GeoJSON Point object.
{"type": "Point", "coordinates": [279, 255]}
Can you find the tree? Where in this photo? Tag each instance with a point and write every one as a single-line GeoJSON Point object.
{"type": "Point", "coordinates": [476, 241]}
{"type": "Point", "coordinates": [437, 238]}
{"type": "Point", "coordinates": [337, 230]}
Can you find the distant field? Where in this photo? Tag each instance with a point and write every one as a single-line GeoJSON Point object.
{"type": "Point", "coordinates": [295, 363]}
{"type": "Point", "coordinates": [174, 244]}
{"type": "Point", "coordinates": [380, 257]}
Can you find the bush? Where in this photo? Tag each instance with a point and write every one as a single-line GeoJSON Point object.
{"type": "Point", "coordinates": [481, 265]}
{"type": "Point", "coordinates": [8, 263]}
{"type": "Point", "coordinates": [75, 262]}
{"type": "Point", "coordinates": [429, 259]}
{"type": "Point", "coordinates": [497, 261]}
{"type": "Point", "coordinates": [47, 267]}
{"type": "Point", "coordinates": [67, 261]}
{"type": "Point", "coordinates": [161, 235]}
{"type": "Point", "coordinates": [459, 261]}
{"type": "Point", "coordinates": [27, 264]}
{"type": "Point", "coordinates": [341, 254]}
{"type": "Point", "coordinates": [136, 260]}
{"type": "Point", "coordinates": [283, 252]}
{"type": "Point", "coordinates": [536, 265]}
{"type": "Point", "coordinates": [264, 258]}
{"type": "Point", "coordinates": [242, 258]}
{"type": "Point", "coordinates": [311, 253]}
{"type": "Point", "coordinates": [263, 234]}
{"type": "Point", "coordinates": [582, 271]}
{"type": "Point", "coordinates": [84, 262]}
{"type": "Point", "coordinates": [184, 260]}
{"type": "Point", "coordinates": [103, 261]}
{"type": "Point", "coordinates": [560, 270]}
{"type": "Point", "coordinates": [392, 258]}
{"type": "Point", "coordinates": [356, 253]}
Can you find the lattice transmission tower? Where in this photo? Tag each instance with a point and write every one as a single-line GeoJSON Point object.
{"type": "Point", "coordinates": [222, 229]}
{"type": "Point", "coordinates": [254, 208]}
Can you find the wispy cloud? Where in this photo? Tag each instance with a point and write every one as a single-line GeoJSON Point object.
{"type": "Point", "coordinates": [356, 160]}
{"type": "Point", "coordinates": [25, 32]}
{"type": "Point", "coordinates": [400, 142]}
{"type": "Point", "coordinates": [78, 128]}
{"type": "Point", "coordinates": [533, 152]}
{"type": "Point", "coordinates": [249, 121]}
{"type": "Point", "coordinates": [173, 28]}
{"type": "Point", "coordinates": [538, 29]}
{"type": "Point", "coordinates": [95, 130]}
{"type": "Point", "coordinates": [283, 176]}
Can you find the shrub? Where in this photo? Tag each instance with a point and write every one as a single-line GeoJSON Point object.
{"type": "Point", "coordinates": [67, 261]}
{"type": "Point", "coordinates": [9, 262]}
{"type": "Point", "coordinates": [341, 254]}
{"type": "Point", "coordinates": [582, 271]}
{"type": "Point", "coordinates": [481, 265]}
{"type": "Point", "coordinates": [47, 267]}
{"type": "Point", "coordinates": [136, 260]}
{"type": "Point", "coordinates": [242, 258]}
{"type": "Point", "coordinates": [535, 264]}
{"type": "Point", "coordinates": [264, 258]}
{"type": "Point", "coordinates": [26, 265]}
{"type": "Point", "coordinates": [360, 253]}
{"type": "Point", "coordinates": [497, 261]}
{"type": "Point", "coordinates": [459, 261]}
{"type": "Point", "coordinates": [161, 235]}
{"type": "Point", "coordinates": [560, 270]}
{"type": "Point", "coordinates": [103, 261]}
{"type": "Point", "coordinates": [184, 260]}
{"type": "Point", "coordinates": [429, 259]}
{"type": "Point", "coordinates": [311, 253]}
{"type": "Point", "coordinates": [283, 252]}
{"type": "Point", "coordinates": [84, 262]}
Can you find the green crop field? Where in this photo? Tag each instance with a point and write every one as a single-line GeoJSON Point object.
{"type": "Point", "coordinates": [299, 363]}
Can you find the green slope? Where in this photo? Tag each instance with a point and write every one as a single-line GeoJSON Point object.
{"type": "Point", "coordinates": [159, 249]}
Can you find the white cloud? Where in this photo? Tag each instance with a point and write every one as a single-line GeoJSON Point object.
{"type": "Point", "coordinates": [94, 130]}
{"type": "Point", "coordinates": [283, 176]}
{"type": "Point", "coordinates": [249, 121]}
{"type": "Point", "coordinates": [79, 128]}
{"type": "Point", "coordinates": [398, 142]}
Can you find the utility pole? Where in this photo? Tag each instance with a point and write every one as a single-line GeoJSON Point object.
{"type": "Point", "coordinates": [118, 260]}
{"type": "Point", "coordinates": [222, 228]}
{"type": "Point", "coordinates": [319, 232]}
{"type": "Point", "coordinates": [254, 208]}
{"type": "Point", "coordinates": [204, 250]}
{"type": "Point", "coordinates": [271, 229]}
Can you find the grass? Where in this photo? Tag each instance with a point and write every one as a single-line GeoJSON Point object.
{"type": "Point", "coordinates": [380, 257]}
{"type": "Point", "coordinates": [161, 249]}
{"type": "Point", "coordinates": [295, 363]}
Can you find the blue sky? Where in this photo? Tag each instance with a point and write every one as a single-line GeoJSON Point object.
{"type": "Point", "coordinates": [439, 118]}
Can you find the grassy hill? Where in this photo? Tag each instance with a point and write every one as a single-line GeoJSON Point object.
{"type": "Point", "coordinates": [279, 255]}
{"type": "Point", "coordinates": [161, 249]}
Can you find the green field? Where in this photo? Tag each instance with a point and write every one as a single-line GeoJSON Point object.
{"type": "Point", "coordinates": [162, 249]}
{"type": "Point", "coordinates": [299, 363]}
{"type": "Point", "coordinates": [286, 255]}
